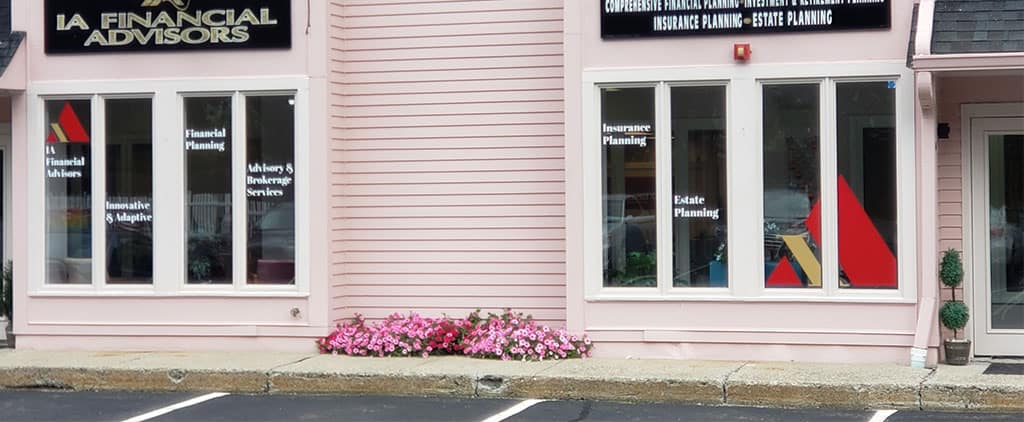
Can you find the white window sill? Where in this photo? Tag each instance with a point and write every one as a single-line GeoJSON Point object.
{"type": "Point", "coordinates": [747, 299]}
{"type": "Point", "coordinates": [148, 293]}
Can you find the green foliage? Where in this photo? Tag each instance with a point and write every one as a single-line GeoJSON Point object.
{"type": "Point", "coordinates": [202, 252]}
{"type": "Point", "coordinates": [7, 288]}
{"type": "Point", "coordinates": [954, 315]}
{"type": "Point", "coordinates": [639, 271]}
{"type": "Point", "coordinates": [951, 270]}
{"type": "Point", "coordinates": [641, 263]}
{"type": "Point", "coordinates": [199, 268]}
{"type": "Point", "coordinates": [722, 253]}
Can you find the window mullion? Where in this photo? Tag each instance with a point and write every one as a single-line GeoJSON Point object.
{"type": "Point", "coordinates": [663, 186]}
{"type": "Point", "coordinates": [238, 200]}
{"type": "Point", "coordinates": [745, 149]}
{"type": "Point", "coordinates": [98, 192]}
{"type": "Point", "coordinates": [169, 239]}
{"type": "Point", "coordinates": [829, 195]}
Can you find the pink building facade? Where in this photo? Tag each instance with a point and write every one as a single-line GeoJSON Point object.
{"type": "Point", "coordinates": [676, 180]}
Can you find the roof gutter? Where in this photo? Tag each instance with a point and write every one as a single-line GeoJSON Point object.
{"type": "Point", "coordinates": [975, 61]}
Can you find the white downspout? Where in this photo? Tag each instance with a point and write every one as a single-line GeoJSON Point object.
{"type": "Point", "coordinates": [926, 190]}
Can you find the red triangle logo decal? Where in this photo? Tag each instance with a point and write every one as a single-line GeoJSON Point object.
{"type": "Point", "coordinates": [71, 125]}
{"type": "Point", "coordinates": [863, 253]}
{"type": "Point", "coordinates": [784, 275]}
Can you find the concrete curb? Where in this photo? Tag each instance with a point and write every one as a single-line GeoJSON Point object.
{"type": "Point", "coordinates": [819, 385]}
{"type": "Point", "coordinates": [965, 388]}
{"type": "Point", "coordinates": [706, 383]}
{"type": "Point", "coordinates": [172, 380]}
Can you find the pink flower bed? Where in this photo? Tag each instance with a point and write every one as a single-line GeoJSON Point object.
{"type": "Point", "coordinates": [509, 336]}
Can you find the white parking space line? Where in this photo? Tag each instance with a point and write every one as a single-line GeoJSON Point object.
{"type": "Point", "coordinates": [512, 411]}
{"type": "Point", "coordinates": [173, 407]}
{"type": "Point", "coordinates": [882, 415]}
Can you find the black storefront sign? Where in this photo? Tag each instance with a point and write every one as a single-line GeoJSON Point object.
{"type": "Point", "coordinates": [76, 26]}
{"type": "Point", "coordinates": [665, 18]}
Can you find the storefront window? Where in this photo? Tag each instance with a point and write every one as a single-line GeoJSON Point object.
{"type": "Point", "coordinates": [832, 174]}
{"type": "Point", "coordinates": [270, 189]}
{"type": "Point", "coordinates": [68, 167]}
{"type": "Point", "coordinates": [207, 143]}
{"type": "Point", "coordinates": [698, 187]}
{"type": "Point", "coordinates": [129, 194]}
{"type": "Point", "coordinates": [792, 189]}
{"type": "Point", "coordinates": [628, 176]}
{"type": "Point", "coordinates": [866, 152]}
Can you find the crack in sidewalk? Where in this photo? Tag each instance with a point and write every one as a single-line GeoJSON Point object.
{"type": "Point", "coordinates": [920, 389]}
{"type": "Point", "coordinates": [725, 382]}
{"type": "Point", "coordinates": [270, 372]}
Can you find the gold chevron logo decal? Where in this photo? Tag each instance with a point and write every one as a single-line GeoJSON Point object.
{"type": "Point", "coordinates": [178, 4]}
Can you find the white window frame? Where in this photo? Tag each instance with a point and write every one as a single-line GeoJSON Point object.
{"type": "Point", "coordinates": [169, 257]}
{"type": "Point", "coordinates": [744, 164]}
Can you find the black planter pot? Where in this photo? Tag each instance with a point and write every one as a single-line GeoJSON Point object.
{"type": "Point", "coordinates": [958, 352]}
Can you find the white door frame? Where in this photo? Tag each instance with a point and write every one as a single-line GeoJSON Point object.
{"type": "Point", "coordinates": [5, 147]}
{"type": "Point", "coordinates": [979, 120]}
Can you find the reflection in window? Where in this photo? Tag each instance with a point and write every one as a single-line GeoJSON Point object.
{"type": "Point", "coordinates": [68, 165]}
{"type": "Point", "coordinates": [129, 201]}
{"type": "Point", "coordinates": [1006, 230]}
{"type": "Point", "coordinates": [698, 187]}
{"type": "Point", "coordinates": [866, 135]}
{"type": "Point", "coordinates": [207, 142]}
{"type": "Point", "coordinates": [270, 189]}
{"type": "Point", "coordinates": [792, 223]}
{"type": "Point", "coordinates": [628, 176]}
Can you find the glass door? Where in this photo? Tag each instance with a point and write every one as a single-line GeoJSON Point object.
{"type": "Point", "coordinates": [998, 196]}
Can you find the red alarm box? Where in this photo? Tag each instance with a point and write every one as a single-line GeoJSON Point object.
{"type": "Point", "coordinates": [741, 52]}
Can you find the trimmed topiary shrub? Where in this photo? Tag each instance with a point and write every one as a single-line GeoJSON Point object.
{"type": "Point", "coordinates": [951, 270]}
{"type": "Point", "coordinates": [954, 313]}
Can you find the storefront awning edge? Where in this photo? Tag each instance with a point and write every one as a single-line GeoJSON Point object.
{"type": "Point", "coordinates": [959, 62]}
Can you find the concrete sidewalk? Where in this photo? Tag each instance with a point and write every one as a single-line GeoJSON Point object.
{"type": "Point", "coordinates": [700, 382]}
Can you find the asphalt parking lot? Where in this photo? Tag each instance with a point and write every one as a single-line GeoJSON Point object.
{"type": "Point", "coordinates": [29, 405]}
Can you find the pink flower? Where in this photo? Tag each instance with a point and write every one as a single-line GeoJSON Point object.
{"type": "Point", "coordinates": [506, 336]}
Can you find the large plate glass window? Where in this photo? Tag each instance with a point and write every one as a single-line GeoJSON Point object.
{"type": "Point", "coordinates": [866, 184]}
{"type": "Point", "coordinates": [68, 167]}
{"type": "Point", "coordinates": [698, 187]}
{"type": "Point", "coordinates": [864, 236]}
{"type": "Point", "coordinates": [129, 193]}
{"type": "Point", "coordinates": [792, 185]}
{"type": "Point", "coordinates": [270, 189]}
{"type": "Point", "coordinates": [628, 178]}
{"type": "Point", "coordinates": [207, 142]}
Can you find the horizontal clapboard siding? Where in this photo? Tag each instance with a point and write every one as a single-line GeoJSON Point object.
{"type": "Point", "coordinates": [447, 159]}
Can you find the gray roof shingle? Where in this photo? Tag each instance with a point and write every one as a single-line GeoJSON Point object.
{"type": "Point", "coordinates": [978, 26]}
{"type": "Point", "coordinates": [912, 44]}
{"type": "Point", "coordinates": [8, 46]}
